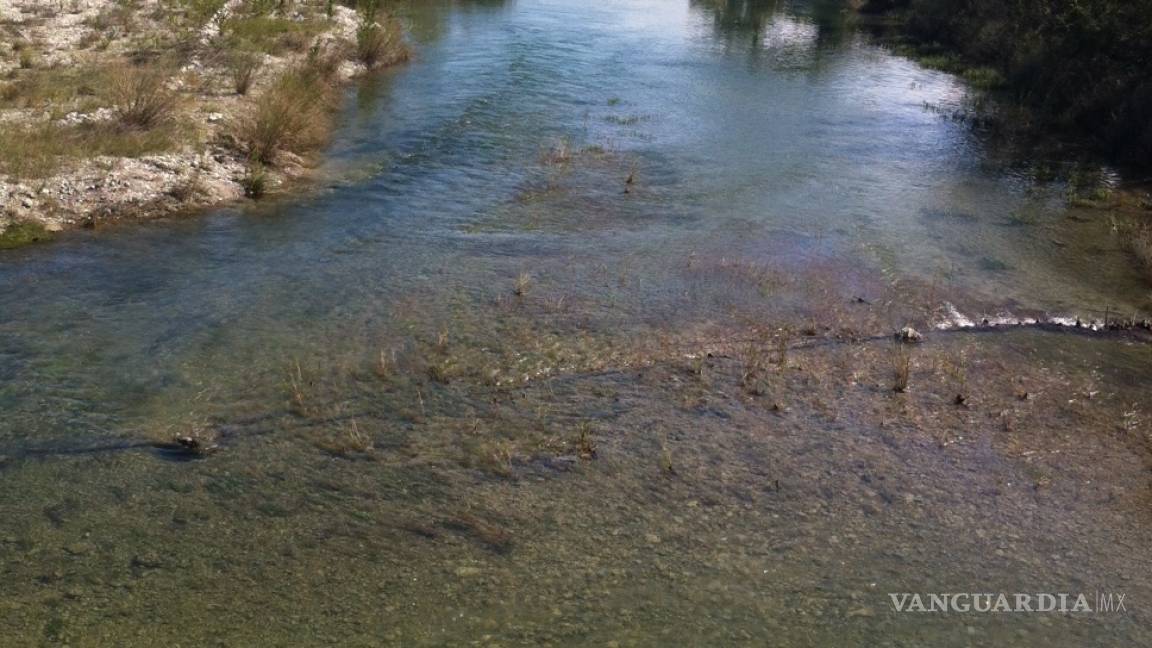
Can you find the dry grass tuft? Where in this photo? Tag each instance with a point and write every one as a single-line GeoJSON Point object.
{"type": "Point", "coordinates": [243, 68]}
{"type": "Point", "coordinates": [585, 444]}
{"type": "Point", "coordinates": [522, 284]}
{"type": "Point", "coordinates": [349, 441]}
{"type": "Point", "coordinates": [41, 150]}
{"type": "Point", "coordinates": [902, 367]}
{"type": "Point", "coordinates": [141, 97]}
{"type": "Point", "coordinates": [380, 42]}
{"type": "Point", "coordinates": [293, 115]}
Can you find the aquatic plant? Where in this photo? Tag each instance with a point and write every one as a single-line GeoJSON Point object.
{"type": "Point", "coordinates": [751, 374]}
{"type": "Point", "coordinates": [23, 233]}
{"type": "Point", "coordinates": [666, 465]}
{"type": "Point", "coordinates": [349, 440]}
{"type": "Point", "coordinates": [560, 152]}
{"type": "Point", "coordinates": [297, 390]}
{"type": "Point", "coordinates": [902, 367]}
{"type": "Point", "coordinates": [952, 366]}
{"type": "Point", "coordinates": [385, 365]}
{"type": "Point", "coordinates": [440, 371]}
{"type": "Point", "coordinates": [523, 282]}
{"type": "Point", "coordinates": [488, 534]}
{"type": "Point", "coordinates": [585, 444]}
{"type": "Point", "coordinates": [380, 41]}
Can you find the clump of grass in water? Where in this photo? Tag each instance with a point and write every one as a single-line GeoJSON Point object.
{"type": "Point", "coordinates": [902, 367]}
{"type": "Point", "coordinates": [379, 38]}
{"type": "Point", "coordinates": [585, 444]}
{"type": "Point", "coordinates": [558, 153]}
{"type": "Point", "coordinates": [522, 284]}
{"type": "Point", "coordinates": [386, 365]}
{"type": "Point", "coordinates": [350, 441]}
{"type": "Point", "coordinates": [751, 376]}
{"type": "Point", "coordinates": [666, 464]}
{"type": "Point", "coordinates": [488, 534]}
{"type": "Point", "coordinates": [494, 457]}
{"type": "Point", "coordinates": [297, 390]}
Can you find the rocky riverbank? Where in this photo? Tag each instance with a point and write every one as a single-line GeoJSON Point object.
{"type": "Point", "coordinates": [74, 154]}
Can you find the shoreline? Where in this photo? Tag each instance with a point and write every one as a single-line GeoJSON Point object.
{"type": "Point", "coordinates": [204, 166]}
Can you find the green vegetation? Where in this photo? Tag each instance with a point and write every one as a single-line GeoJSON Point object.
{"type": "Point", "coordinates": [379, 38]}
{"type": "Point", "coordinates": [243, 68]}
{"type": "Point", "coordinates": [294, 115]}
{"type": "Point", "coordinates": [41, 150]}
{"type": "Point", "coordinates": [270, 34]}
{"type": "Point", "coordinates": [255, 181]}
{"type": "Point", "coordinates": [125, 103]}
{"type": "Point", "coordinates": [1079, 64]}
{"type": "Point", "coordinates": [901, 367]}
{"type": "Point", "coordinates": [21, 234]}
{"type": "Point", "coordinates": [61, 89]}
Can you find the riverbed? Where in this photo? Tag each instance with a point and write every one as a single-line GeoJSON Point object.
{"type": "Point", "coordinates": [585, 339]}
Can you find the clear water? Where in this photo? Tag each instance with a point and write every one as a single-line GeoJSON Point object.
{"type": "Point", "coordinates": [764, 138]}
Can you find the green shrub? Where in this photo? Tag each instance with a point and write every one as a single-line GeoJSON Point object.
{"type": "Point", "coordinates": [270, 34]}
{"type": "Point", "coordinates": [255, 181]}
{"type": "Point", "coordinates": [294, 115]}
{"type": "Point", "coordinates": [243, 67]}
{"type": "Point", "coordinates": [1079, 64]}
{"type": "Point", "coordinates": [381, 43]}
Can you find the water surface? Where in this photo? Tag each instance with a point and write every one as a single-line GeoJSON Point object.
{"type": "Point", "coordinates": [782, 165]}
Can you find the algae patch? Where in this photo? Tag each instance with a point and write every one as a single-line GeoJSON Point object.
{"type": "Point", "coordinates": [23, 233]}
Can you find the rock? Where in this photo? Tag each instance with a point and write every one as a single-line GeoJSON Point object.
{"type": "Point", "coordinates": [909, 335]}
{"type": "Point", "coordinates": [147, 560]}
{"type": "Point", "coordinates": [80, 548]}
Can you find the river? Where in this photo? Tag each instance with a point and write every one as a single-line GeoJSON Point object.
{"type": "Point", "coordinates": [530, 280]}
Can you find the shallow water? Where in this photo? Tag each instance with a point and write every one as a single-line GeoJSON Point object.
{"type": "Point", "coordinates": [783, 166]}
